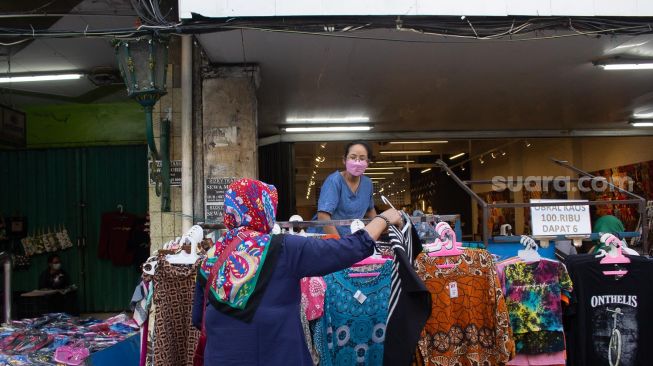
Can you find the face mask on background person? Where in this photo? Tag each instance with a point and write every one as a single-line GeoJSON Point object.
{"type": "Point", "coordinates": [356, 167]}
{"type": "Point", "coordinates": [56, 266]}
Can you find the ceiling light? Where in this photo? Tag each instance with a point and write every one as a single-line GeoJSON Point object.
{"type": "Point", "coordinates": [404, 161]}
{"type": "Point", "coordinates": [628, 66]}
{"type": "Point", "coordinates": [405, 152]}
{"type": "Point", "coordinates": [526, 143]}
{"type": "Point", "coordinates": [327, 129]}
{"type": "Point", "coordinates": [457, 156]}
{"type": "Point", "coordinates": [352, 119]}
{"type": "Point", "coordinates": [386, 168]}
{"type": "Point", "coordinates": [642, 123]}
{"type": "Point", "coordinates": [379, 173]}
{"type": "Point", "coordinates": [426, 170]}
{"type": "Point", "coordinates": [462, 168]}
{"type": "Point", "coordinates": [17, 78]}
{"type": "Point", "coordinates": [481, 160]}
{"type": "Point", "coordinates": [642, 115]}
{"type": "Point", "coordinates": [384, 162]}
{"type": "Point", "coordinates": [419, 142]}
{"type": "Point", "coordinates": [503, 153]}
{"type": "Point", "coordinates": [493, 155]}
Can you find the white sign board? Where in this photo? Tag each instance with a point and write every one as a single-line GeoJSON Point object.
{"type": "Point", "coordinates": [560, 220]}
{"type": "Point", "coordinates": [272, 8]}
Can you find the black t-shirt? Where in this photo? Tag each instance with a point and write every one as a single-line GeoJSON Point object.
{"type": "Point", "coordinates": [610, 319]}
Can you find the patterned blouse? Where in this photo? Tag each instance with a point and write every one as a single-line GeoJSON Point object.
{"type": "Point", "coordinates": [469, 322]}
{"type": "Point", "coordinates": [352, 330]}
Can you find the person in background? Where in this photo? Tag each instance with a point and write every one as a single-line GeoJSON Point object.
{"type": "Point", "coordinates": [54, 277]}
{"type": "Point", "coordinates": [252, 311]}
{"type": "Point", "coordinates": [348, 194]}
{"type": "Point", "coordinates": [612, 225]}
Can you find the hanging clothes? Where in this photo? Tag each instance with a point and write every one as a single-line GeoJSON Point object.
{"type": "Point", "coordinates": [410, 300]}
{"type": "Point", "coordinates": [176, 338]}
{"type": "Point", "coordinates": [469, 323]}
{"type": "Point", "coordinates": [535, 294]}
{"type": "Point", "coordinates": [352, 330]}
{"type": "Point", "coordinates": [115, 234]}
{"type": "Point", "coordinates": [610, 317]}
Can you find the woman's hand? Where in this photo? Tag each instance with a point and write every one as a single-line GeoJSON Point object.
{"type": "Point", "coordinates": [378, 224]}
{"type": "Point", "coordinates": [394, 217]}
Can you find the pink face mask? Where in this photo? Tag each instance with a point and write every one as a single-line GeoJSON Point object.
{"type": "Point", "coordinates": [355, 167]}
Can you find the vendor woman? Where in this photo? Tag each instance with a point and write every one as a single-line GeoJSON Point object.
{"type": "Point", "coordinates": [348, 194]}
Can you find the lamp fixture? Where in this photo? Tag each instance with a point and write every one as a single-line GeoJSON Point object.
{"type": "Point", "coordinates": [493, 155]}
{"type": "Point", "coordinates": [383, 162]}
{"type": "Point", "coordinates": [405, 161]}
{"type": "Point", "coordinates": [386, 168]}
{"type": "Point", "coordinates": [143, 64]}
{"type": "Point", "coordinates": [480, 160]}
{"type": "Point", "coordinates": [327, 128]}
{"type": "Point", "coordinates": [426, 170]}
{"type": "Point", "coordinates": [456, 156]}
{"type": "Point", "coordinates": [626, 65]}
{"type": "Point", "coordinates": [526, 143]}
{"type": "Point", "coordinates": [21, 78]}
{"type": "Point", "coordinates": [643, 115]}
{"type": "Point", "coordinates": [351, 119]}
{"type": "Point", "coordinates": [418, 142]}
{"type": "Point", "coordinates": [405, 152]}
{"type": "Point", "coordinates": [641, 122]}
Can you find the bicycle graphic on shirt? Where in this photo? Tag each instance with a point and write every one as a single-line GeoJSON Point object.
{"type": "Point", "coordinates": [614, 348]}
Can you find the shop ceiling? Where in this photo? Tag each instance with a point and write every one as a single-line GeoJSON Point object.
{"type": "Point", "coordinates": [409, 85]}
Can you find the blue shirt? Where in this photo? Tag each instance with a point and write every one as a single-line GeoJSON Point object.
{"type": "Point", "coordinates": [337, 199]}
{"type": "Point", "coordinates": [350, 332]}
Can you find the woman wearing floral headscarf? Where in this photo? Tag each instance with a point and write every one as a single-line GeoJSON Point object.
{"type": "Point", "coordinates": [253, 316]}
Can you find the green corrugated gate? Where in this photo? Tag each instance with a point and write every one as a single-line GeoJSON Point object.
{"type": "Point", "coordinates": [49, 186]}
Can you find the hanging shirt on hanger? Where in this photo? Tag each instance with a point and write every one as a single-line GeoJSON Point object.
{"type": "Point", "coordinates": [469, 322]}
{"type": "Point", "coordinates": [534, 295]}
{"type": "Point", "coordinates": [115, 234]}
{"type": "Point", "coordinates": [610, 317]}
{"type": "Point", "coordinates": [410, 300]}
{"type": "Point", "coordinates": [352, 330]}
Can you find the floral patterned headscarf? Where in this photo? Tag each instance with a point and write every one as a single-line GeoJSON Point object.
{"type": "Point", "coordinates": [249, 213]}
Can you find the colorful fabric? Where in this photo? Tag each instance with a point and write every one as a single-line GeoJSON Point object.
{"type": "Point", "coordinates": [173, 301]}
{"type": "Point", "coordinates": [249, 214]}
{"type": "Point", "coordinates": [534, 295]}
{"type": "Point", "coordinates": [352, 330]}
{"type": "Point", "coordinates": [469, 323]}
{"type": "Point", "coordinates": [313, 289]}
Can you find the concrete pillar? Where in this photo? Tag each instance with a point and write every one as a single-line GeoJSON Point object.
{"type": "Point", "coordinates": [229, 127]}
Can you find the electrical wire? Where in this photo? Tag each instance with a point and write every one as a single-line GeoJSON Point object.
{"type": "Point", "coordinates": [514, 30]}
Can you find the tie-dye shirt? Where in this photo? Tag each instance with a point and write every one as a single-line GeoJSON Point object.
{"type": "Point", "coordinates": [534, 295]}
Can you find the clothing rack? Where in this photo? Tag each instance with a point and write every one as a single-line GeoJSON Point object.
{"type": "Point", "coordinates": [321, 223]}
{"type": "Point", "coordinates": [485, 206]}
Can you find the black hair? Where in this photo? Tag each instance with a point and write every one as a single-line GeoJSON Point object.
{"type": "Point", "coordinates": [367, 147]}
{"type": "Point", "coordinates": [52, 256]}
